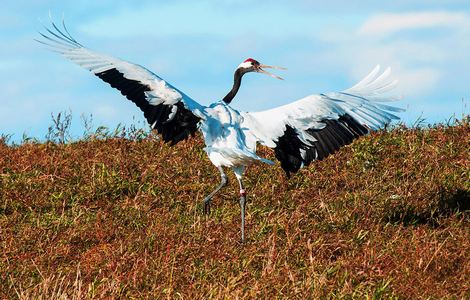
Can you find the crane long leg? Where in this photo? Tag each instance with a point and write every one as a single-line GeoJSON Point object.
{"type": "Point", "coordinates": [239, 173]}
{"type": "Point", "coordinates": [242, 208]}
{"type": "Point", "coordinates": [207, 200]}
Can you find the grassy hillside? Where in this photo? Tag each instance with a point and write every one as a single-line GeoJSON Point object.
{"type": "Point", "coordinates": [387, 217]}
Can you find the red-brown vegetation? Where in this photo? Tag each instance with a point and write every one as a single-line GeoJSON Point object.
{"type": "Point", "coordinates": [386, 217]}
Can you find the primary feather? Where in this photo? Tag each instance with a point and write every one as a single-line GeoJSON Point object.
{"type": "Point", "coordinates": [172, 113]}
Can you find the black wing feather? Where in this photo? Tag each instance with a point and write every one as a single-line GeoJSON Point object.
{"type": "Point", "coordinates": [181, 126]}
{"type": "Point", "coordinates": [329, 139]}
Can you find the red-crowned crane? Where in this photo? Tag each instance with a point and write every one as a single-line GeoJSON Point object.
{"type": "Point", "coordinates": [300, 132]}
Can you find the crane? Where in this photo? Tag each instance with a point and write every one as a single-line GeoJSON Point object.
{"type": "Point", "coordinates": [300, 132]}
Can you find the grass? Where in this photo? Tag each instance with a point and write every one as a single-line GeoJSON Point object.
{"type": "Point", "coordinates": [384, 218]}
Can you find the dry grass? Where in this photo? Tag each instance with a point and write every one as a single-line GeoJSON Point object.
{"type": "Point", "coordinates": [386, 217]}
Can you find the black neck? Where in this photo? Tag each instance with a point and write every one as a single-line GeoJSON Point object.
{"type": "Point", "coordinates": [237, 81]}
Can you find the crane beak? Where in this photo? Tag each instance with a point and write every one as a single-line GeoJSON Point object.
{"type": "Point", "coordinates": [261, 67]}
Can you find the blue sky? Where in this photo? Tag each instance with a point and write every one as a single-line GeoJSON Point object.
{"type": "Point", "coordinates": [196, 45]}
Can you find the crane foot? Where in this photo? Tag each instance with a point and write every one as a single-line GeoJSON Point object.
{"type": "Point", "coordinates": [207, 206]}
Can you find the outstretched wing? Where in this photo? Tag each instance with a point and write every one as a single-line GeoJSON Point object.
{"type": "Point", "coordinates": [172, 113]}
{"type": "Point", "coordinates": [314, 127]}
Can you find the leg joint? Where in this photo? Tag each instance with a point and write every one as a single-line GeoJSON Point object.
{"type": "Point", "coordinates": [224, 179]}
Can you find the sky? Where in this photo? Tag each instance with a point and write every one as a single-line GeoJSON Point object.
{"type": "Point", "coordinates": [196, 46]}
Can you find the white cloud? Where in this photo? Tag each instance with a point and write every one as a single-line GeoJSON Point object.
{"type": "Point", "coordinates": [207, 19]}
{"type": "Point", "coordinates": [385, 24]}
{"type": "Point", "coordinates": [425, 61]}
{"type": "Point", "coordinates": [106, 112]}
{"type": "Point", "coordinates": [417, 81]}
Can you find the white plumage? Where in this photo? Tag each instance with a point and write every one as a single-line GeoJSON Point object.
{"type": "Point", "coordinates": [300, 132]}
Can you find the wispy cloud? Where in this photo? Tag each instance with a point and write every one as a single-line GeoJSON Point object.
{"type": "Point", "coordinates": [208, 19]}
{"type": "Point", "coordinates": [386, 24]}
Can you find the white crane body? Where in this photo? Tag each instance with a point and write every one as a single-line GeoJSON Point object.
{"type": "Point", "coordinates": [225, 139]}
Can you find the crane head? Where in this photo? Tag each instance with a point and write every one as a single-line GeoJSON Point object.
{"type": "Point", "coordinates": [252, 65]}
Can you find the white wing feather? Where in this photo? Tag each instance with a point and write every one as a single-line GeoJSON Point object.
{"type": "Point", "coordinates": [359, 101]}
{"type": "Point", "coordinates": [161, 92]}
